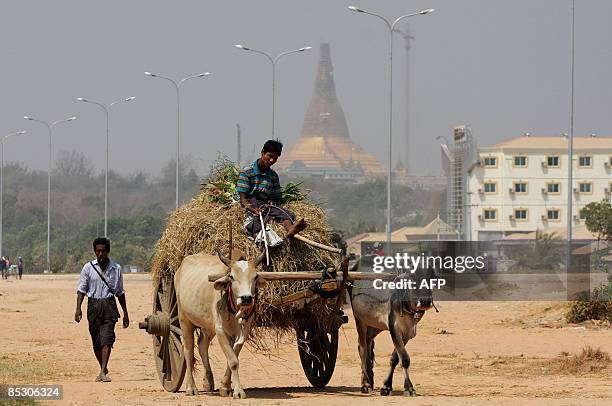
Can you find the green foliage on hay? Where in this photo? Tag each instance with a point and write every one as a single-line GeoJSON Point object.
{"type": "Point", "coordinates": [221, 184]}
{"type": "Point", "coordinates": [292, 192]}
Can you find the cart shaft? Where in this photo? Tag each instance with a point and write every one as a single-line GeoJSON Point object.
{"type": "Point", "coordinates": [303, 276]}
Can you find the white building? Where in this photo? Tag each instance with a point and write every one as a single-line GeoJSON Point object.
{"type": "Point", "coordinates": [520, 185]}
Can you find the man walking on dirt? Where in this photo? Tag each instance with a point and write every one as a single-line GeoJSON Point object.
{"type": "Point", "coordinates": [101, 280]}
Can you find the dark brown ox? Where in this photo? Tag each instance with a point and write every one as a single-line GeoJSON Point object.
{"type": "Point", "coordinates": [397, 311]}
{"type": "Point", "coordinates": [224, 308]}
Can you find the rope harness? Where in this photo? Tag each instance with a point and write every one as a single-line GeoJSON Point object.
{"type": "Point", "coordinates": [230, 299]}
{"type": "Point", "coordinates": [417, 314]}
{"type": "Point", "coordinates": [233, 307]}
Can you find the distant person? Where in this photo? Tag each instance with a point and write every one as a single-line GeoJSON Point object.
{"type": "Point", "coordinates": [3, 268]}
{"type": "Point", "coordinates": [7, 267]}
{"type": "Point", "coordinates": [20, 267]}
{"type": "Point", "coordinates": [101, 280]}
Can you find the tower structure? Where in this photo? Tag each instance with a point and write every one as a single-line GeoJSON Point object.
{"type": "Point", "coordinates": [325, 148]}
{"type": "Point", "coordinates": [408, 147]}
{"type": "Point", "coordinates": [456, 161]}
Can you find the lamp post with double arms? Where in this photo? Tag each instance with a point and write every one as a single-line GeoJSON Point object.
{"type": "Point", "coordinates": [106, 108]}
{"type": "Point", "coordinates": [2, 184]}
{"type": "Point", "coordinates": [273, 61]}
{"type": "Point", "coordinates": [391, 26]}
{"type": "Point", "coordinates": [177, 86]}
{"type": "Point", "coordinates": [50, 129]}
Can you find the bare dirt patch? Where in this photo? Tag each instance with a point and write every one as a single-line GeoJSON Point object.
{"type": "Point", "coordinates": [469, 353]}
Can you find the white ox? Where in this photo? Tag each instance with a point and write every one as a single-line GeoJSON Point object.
{"type": "Point", "coordinates": [224, 308]}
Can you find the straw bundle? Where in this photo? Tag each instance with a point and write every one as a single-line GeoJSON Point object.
{"type": "Point", "coordinates": [202, 226]}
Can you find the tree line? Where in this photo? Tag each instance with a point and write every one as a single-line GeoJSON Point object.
{"type": "Point", "coordinates": [139, 204]}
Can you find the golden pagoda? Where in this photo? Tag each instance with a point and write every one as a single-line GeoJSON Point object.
{"type": "Point", "coordinates": [325, 148]}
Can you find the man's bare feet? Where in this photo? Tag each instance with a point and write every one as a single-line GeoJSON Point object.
{"type": "Point", "coordinates": [296, 227]}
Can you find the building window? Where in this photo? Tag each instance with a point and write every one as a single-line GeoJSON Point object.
{"type": "Point", "coordinates": [520, 214]}
{"type": "Point", "coordinates": [552, 161]}
{"type": "Point", "coordinates": [520, 161]}
{"type": "Point", "coordinates": [490, 187]}
{"type": "Point", "coordinates": [553, 188]}
{"type": "Point", "coordinates": [585, 161]}
{"type": "Point", "coordinates": [553, 214]}
{"type": "Point", "coordinates": [490, 214]}
{"type": "Point", "coordinates": [585, 187]}
{"type": "Point", "coordinates": [490, 162]}
{"type": "Point", "coordinates": [520, 187]}
{"type": "Point", "coordinates": [581, 214]}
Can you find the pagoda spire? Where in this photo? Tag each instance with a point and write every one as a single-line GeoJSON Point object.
{"type": "Point", "coordinates": [325, 116]}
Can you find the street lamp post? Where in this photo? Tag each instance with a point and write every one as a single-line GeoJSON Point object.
{"type": "Point", "coordinates": [391, 27]}
{"type": "Point", "coordinates": [570, 151]}
{"type": "Point", "coordinates": [106, 108]}
{"type": "Point", "coordinates": [1, 183]}
{"type": "Point", "coordinates": [273, 61]}
{"type": "Point", "coordinates": [50, 129]}
{"type": "Point", "coordinates": [177, 86]}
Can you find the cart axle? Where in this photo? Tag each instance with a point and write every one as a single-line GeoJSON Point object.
{"type": "Point", "coordinates": [158, 325]}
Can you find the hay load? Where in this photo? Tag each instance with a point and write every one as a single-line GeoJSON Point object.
{"type": "Point", "coordinates": [201, 225]}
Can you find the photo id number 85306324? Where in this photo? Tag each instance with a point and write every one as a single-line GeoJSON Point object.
{"type": "Point", "coordinates": [34, 392]}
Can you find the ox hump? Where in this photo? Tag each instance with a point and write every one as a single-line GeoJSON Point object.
{"type": "Point", "coordinates": [237, 255]}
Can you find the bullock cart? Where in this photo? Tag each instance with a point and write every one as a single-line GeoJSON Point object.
{"type": "Point", "coordinates": [307, 277]}
{"type": "Point", "coordinates": [317, 337]}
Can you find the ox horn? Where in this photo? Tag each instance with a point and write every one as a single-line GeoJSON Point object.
{"type": "Point", "coordinates": [224, 259]}
{"type": "Point", "coordinates": [260, 259]}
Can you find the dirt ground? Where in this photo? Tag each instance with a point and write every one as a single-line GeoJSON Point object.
{"type": "Point", "coordinates": [468, 353]}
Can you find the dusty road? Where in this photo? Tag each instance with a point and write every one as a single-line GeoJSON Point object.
{"type": "Point", "coordinates": [469, 353]}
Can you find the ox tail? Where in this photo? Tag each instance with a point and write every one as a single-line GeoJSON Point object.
{"type": "Point", "coordinates": [194, 359]}
{"type": "Point", "coordinates": [349, 289]}
{"type": "Point", "coordinates": [372, 355]}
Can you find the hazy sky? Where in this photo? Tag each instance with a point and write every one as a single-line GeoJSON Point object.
{"type": "Point", "coordinates": [501, 66]}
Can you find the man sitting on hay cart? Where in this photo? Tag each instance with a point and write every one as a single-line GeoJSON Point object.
{"type": "Point", "coordinates": [260, 193]}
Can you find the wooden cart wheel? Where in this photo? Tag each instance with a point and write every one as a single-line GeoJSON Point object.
{"type": "Point", "coordinates": [318, 350]}
{"type": "Point", "coordinates": [167, 345]}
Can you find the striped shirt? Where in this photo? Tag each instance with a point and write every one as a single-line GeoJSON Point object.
{"type": "Point", "coordinates": [263, 185]}
{"type": "Point", "coordinates": [92, 286]}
